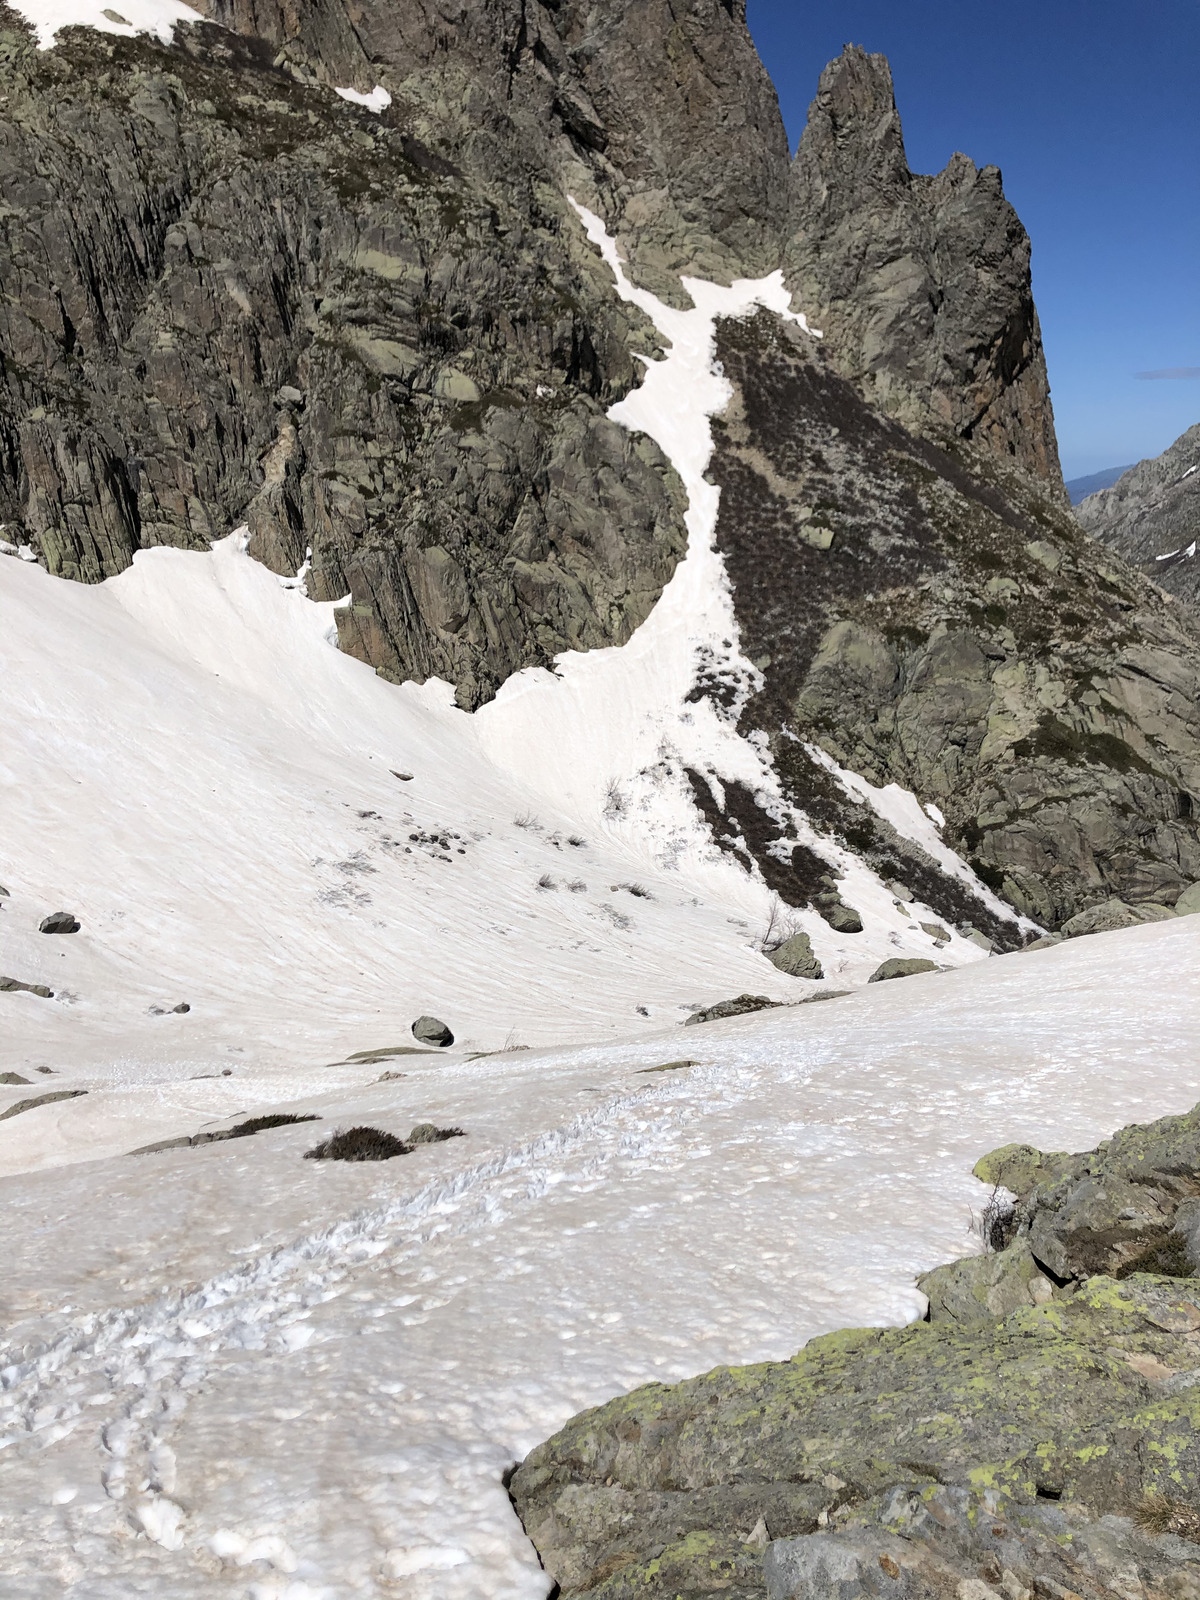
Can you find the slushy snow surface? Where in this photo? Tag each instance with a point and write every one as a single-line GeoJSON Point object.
{"type": "Point", "coordinates": [229, 1371]}
{"type": "Point", "coordinates": [234, 1372]}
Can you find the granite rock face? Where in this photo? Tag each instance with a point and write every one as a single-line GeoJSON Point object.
{"type": "Point", "coordinates": [233, 297]}
{"type": "Point", "coordinates": [1151, 517]}
{"type": "Point", "coordinates": [1040, 1442]}
{"type": "Point", "coordinates": [921, 285]}
{"type": "Point", "coordinates": [383, 345]}
{"type": "Point", "coordinates": [931, 615]}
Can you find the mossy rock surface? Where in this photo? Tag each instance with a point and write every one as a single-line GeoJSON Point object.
{"type": "Point", "coordinates": [1074, 1399]}
{"type": "Point", "coordinates": [1042, 1396]}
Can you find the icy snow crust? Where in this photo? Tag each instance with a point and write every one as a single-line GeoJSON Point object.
{"type": "Point", "coordinates": [231, 1372]}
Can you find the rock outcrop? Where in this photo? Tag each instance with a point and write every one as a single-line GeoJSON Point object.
{"type": "Point", "coordinates": [380, 342]}
{"type": "Point", "coordinates": [932, 616]}
{"type": "Point", "coordinates": [1044, 1443]}
{"type": "Point", "coordinates": [1151, 517]}
{"type": "Point", "coordinates": [921, 285]}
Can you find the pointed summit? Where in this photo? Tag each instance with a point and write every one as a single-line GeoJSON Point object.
{"type": "Point", "coordinates": [922, 284]}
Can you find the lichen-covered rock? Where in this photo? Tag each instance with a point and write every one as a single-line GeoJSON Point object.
{"type": "Point", "coordinates": [1077, 1400]}
{"type": "Point", "coordinates": [901, 967]}
{"type": "Point", "coordinates": [1017, 1432]}
{"type": "Point", "coordinates": [795, 957]}
{"type": "Point", "coordinates": [1109, 1210]}
{"type": "Point", "coordinates": [940, 1543]}
{"type": "Point", "coordinates": [978, 1288]}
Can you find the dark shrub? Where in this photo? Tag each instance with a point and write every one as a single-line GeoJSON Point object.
{"type": "Point", "coordinates": [359, 1144]}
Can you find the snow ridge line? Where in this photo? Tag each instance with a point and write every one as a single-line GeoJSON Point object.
{"type": "Point", "coordinates": [128, 1332]}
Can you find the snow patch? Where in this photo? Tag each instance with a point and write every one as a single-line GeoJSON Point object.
{"type": "Point", "coordinates": [377, 101]}
{"type": "Point", "coordinates": [910, 819]}
{"type": "Point", "coordinates": [127, 17]}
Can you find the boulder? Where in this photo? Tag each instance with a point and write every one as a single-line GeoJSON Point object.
{"type": "Point", "coordinates": [795, 957]}
{"type": "Point", "coordinates": [41, 1100]}
{"type": "Point", "coordinates": [1017, 1435]}
{"type": "Point", "coordinates": [736, 1007]}
{"type": "Point", "coordinates": [842, 918]}
{"type": "Point", "coordinates": [1130, 1205]}
{"type": "Point", "coordinates": [12, 1077]}
{"type": "Point", "coordinates": [993, 1452]}
{"type": "Point", "coordinates": [1189, 901]}
{"type": "Point", "coordinates": [1113, 914]}
{"type": "Point", "coordinates": [935, 931]}
{"type": "Point", "coordinates": [978, 1288]}
{"type": "Point", "coordinates": [901, 967]}
{"type": "Point", "coordinates": [59, 922]}
{"type": "Point", "coordinates": [14, 985]}
{"type": "Point", "coordinates": [430, 1031]}
{"type": "Point", "coordinates": [1045, 941]}
{"type": "Point", "coordinates": [931, 1543]}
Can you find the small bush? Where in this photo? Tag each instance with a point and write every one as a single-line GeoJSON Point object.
{"type": "Point", "coordinates": [580, 844]}
{"type": "Point", "coordinates": [577, 886]}
{"type": "Point", "coordinates": [528, 821]}
{"type": "Point", "coordinates": [546, 882]}
{"type": "Point", "coordinates": [1167, 1256]}
{"type": "Point", "coordinates": [996, 1223]}
{"type": "Point", "coordinates": [1162, 1513]}
{"type": "Point", "coordinates": [359, 1144]}
{"type": "Point", "coordinates": [637, 891]}
{"type": "Point", "coordinates": [282, 1119]}
{"type": "Point", "coordinates": [615, 804]}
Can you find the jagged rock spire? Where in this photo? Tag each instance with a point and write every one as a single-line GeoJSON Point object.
{"type": "Point", "coordinates": [922, 284]}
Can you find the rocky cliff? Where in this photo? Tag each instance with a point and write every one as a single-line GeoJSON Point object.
{"type": "Point", "coordinates": [931, 616]}
{"type": "Point", "coordinates": [921, 284]}
{"type": "Point", "coordinates": [1037, 1436]}
{"type": "Point", "coordinates": [381, 340]}
{"type": "Point", "coordinates": [1151, 516]}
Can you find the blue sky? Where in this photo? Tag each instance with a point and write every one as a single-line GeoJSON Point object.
{"type": "Point", "coordinates": [1092, 112]}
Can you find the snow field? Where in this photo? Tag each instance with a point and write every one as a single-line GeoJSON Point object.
{"type": "Point", "coordinates": [314, 1392]}
{"type": "Point", "coordinates": [212, 788]}
{"type": "Point", "coordinates": [232, 1372]}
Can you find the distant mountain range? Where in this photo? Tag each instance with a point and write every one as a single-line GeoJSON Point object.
{"type": "Point", "coordinates": [1080, 488]}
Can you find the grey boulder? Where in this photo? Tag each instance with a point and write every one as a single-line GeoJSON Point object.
{"type": "Point", "coordinates": [1113, 914]}
{"type": "Point", "coordinates": [14, 986]}
{"type": "Point", "coordinates": [901, 967]}
{"type": "Point", "coordinates": [842, 918]}
{"type": "Point", "coordinates": [59, 922]}
{"type": "Point", "coordinates": [795, 957]}
{"type": "Point", "coordinates": [430, 1031]}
